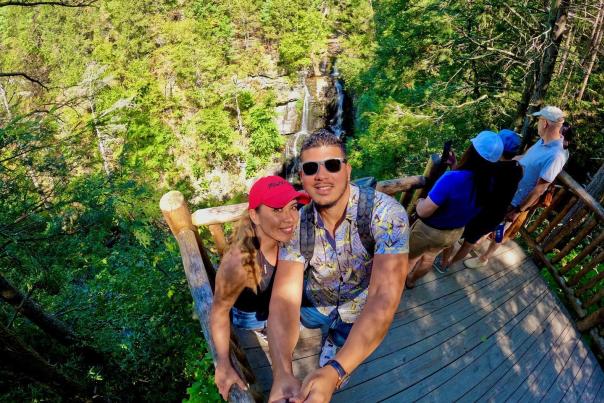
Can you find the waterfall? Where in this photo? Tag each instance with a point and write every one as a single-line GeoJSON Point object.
{"type": "Point", "coordinates": [338, 119]}
{"type": "Point", "coordinates": [293, 148]}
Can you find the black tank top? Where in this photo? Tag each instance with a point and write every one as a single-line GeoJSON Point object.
{"type": "Point", "coordinates": [248, 301]}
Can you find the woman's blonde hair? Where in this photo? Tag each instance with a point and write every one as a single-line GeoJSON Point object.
{"type": "Point", "coordinates": [243, 238]}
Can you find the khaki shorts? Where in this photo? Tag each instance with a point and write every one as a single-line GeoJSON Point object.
{"type": "Point", "coordinates": [424, 238]}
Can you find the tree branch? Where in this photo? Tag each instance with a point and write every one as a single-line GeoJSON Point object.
{"type": "Point", "coordinates": [86, 3]}
{"type": "Point", "coordinates": [20, 74]}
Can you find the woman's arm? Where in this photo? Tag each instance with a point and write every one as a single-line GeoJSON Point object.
{"type": "Point", "coordinates": [425, 207]}
{"type": "Point", "coordinates": [230, 281]}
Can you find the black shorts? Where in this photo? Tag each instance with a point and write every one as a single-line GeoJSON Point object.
{"type": "Point", "coordinates": [482, 224]}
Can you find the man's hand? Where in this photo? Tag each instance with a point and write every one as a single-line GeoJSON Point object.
{"type": "Point", "coordinates": [285, 387]}
{"type": "Point", "coordinates": [511, 216]}
{"type": "Point", "coordinates": [318, 386]}
{"type": "Point", "coordinates": [225, 376]}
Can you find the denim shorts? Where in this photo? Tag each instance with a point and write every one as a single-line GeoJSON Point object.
{"type": "Point", "coordinates": [331, 325]}
{"type": "Point", "coordinates": [247, 320]}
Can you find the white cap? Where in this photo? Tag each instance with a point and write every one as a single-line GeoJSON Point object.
{"type": "Point", "coordinates": [551, 113]}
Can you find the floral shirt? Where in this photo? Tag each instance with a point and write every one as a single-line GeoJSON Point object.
{"type": "Point", "coordinates": [340, 269]}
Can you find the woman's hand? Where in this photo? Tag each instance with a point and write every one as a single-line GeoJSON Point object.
{"type": "Point", "coordinates": [225, 376]}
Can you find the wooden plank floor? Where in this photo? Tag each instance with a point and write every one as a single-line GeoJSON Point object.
{"type": "Point", "coordinates": [494, 334]}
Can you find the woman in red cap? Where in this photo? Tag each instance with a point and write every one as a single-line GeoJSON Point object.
{"type": "Point", "coordinates": [245, 277]}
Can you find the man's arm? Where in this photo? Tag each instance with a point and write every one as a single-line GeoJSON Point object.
{"type": "Point", "coordinates": [385, 292]}
{"type": "Point", "coordinates": [284, 327]}
{"type": "Point", "coordinates": [529, 201]}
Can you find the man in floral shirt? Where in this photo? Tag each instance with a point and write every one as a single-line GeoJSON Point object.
{"type": "Point", "coordinates": [347, 291]}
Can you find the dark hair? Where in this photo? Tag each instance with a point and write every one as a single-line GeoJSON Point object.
{"type": "Point", "coordinates": [483, 171]}
{"type": "Point", "coordinates": [508, 155]}
{"type": "Point", "coordinates": [567, 132]}
{"type": "Point", "coordinates": [322, 138]}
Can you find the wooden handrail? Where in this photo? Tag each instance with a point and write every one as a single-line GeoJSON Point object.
{"type": "Point", "coordinates": [176, 212]}
{"type": "Point", "coordinates": [589, 216]}
{"type": "Point", "coordinates": [224, 214]}
{"type": "Point", "coordinates": [582, 194]}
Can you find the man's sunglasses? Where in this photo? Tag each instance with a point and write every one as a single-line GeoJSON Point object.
{"type": "Point", "coordinates": [332, 165]}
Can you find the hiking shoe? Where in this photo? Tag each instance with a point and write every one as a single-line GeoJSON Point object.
{"type": "Point", "coordinates": [475, 263]}
{"type": "Point", "coordinates": [438, 265]}
{"type": "Point", "coordinates": [328, 352]}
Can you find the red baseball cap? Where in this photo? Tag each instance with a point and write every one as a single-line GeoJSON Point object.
{"type": "Point", "coordinates": [274, 192]}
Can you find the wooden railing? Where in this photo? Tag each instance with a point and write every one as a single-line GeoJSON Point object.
{"type": "Point", "coordinates": [573, 225]}
{"type": "Point", "coordinates": [198, 266]}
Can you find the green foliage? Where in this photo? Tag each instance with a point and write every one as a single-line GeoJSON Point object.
{"type": "Point", "coordinates": [203, 389]}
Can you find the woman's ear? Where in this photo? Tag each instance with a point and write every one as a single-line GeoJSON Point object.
{"type": "Point", "coordinates": [254, 216]}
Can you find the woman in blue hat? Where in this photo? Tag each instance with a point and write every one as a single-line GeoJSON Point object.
{"type": "Point", "coordinates": [455, 199]}
{"type": "Point", "coordinates": [506, 176]}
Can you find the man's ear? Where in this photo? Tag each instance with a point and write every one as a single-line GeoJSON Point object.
{"type": "Point", "coordinates": [254, 216]}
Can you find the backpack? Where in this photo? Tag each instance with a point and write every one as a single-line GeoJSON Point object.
{"type": "Point", "coordinates": [364, 213]}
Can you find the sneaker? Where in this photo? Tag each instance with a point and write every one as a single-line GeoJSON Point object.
{"type": "Point", "coordinates": [438, 265]}
{"type": "Point", "coordinates": [475, 263]}
{"type": "Point", "coordinates": [328, 352]}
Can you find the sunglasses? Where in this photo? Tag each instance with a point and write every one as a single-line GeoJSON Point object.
{"type": "Point", "coordinates": [332, 165]}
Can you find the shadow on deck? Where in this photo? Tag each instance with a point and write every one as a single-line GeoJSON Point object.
{"type": "Point", "coordinates": [494, 334]}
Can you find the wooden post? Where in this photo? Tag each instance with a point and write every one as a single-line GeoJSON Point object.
{"type": "Point", "coordinates": [219, 239]}
{"type": "Point", "coordinates": [556, 220]}
{"type": "Point", "coordinates": [546, 211]}
{"type": "Point", "coordinates": [591, 320]}
{"type": "Point", "coordinates": [585, 252]}
{"type": "Point", "coordinates": [432, 161]}
{"type": "Point", "coordinates": [589, 226]}
{"type": "Point", "coordinates": [574, 301]}
{"type": "Point", "coordinates": [593, 263]}
{"type": "Point", "coordinates": [552, 241]}
{"type": "Point", "coordinates": [175, 211]}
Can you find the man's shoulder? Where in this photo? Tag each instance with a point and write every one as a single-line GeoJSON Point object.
{"type": "Point", "coordinates": [385, 205]}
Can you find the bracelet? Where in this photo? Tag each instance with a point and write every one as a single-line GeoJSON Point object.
{"type": "Point", "coordinates": [342, 374]}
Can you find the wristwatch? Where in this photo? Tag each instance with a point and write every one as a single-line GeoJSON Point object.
{"type": "Point", "coordinates": [343, 376]}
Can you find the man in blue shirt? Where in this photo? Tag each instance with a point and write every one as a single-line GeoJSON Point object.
{"type": "Point", "coordinates": [541, 164]}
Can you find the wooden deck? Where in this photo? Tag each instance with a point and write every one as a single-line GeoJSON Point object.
{"type": "Point", "coordinates": [495, 334]}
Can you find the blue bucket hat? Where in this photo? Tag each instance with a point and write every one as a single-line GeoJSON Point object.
{"type": "Point", "coordinates": [511, 140]}
{"type": "Point", "coordinates": [488, 145]}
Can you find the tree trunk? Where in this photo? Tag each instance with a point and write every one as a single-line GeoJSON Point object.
{"type": "Point", "coordinates": [594, 47]}
{"type": "Point", "coordinates": [53, 327]}
{"type": "Point", "coordinates": [567, 46]}
{"type": "Point", "coordinates": [557, 27]}
{"type": "Point", "coordinates": [22, 359]}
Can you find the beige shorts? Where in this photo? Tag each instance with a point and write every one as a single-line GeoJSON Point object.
{"type": "Point", "coordinates": [425, 239]}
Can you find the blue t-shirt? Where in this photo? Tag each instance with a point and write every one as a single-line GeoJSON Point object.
{"type": "Point", "coordinates": [541, 161]}
{"type": "Point", "coordinates": [456, 199]}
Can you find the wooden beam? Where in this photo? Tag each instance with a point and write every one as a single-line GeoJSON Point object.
{"type": "Point", "coordinates": [224, 214]}
{"type": "Point", "coordinates": [552, 241]}
{"type": "Point", "coordinates": [556, 220]}
{"type": "Point", "coordinates": [219, 239]}
{"type": "Point", "coordinates": [574, 301]}
{"type": "Point", "coordinates": [591, 320]}
{"type": "Point", "coordinates": [535, 224]}
{"type": "Point", "coordinates": [589, 226]}
{"type": "Point", "coordinates": [585, 252]}
{"type": "Point", "coordinates": [585, 197]}
{"type": "Point", "coordinates": [176, 212]}
{"type": "Point", "coordinates": [404, 184]}
{"type": "Point", "coordinates": [586, 269]}
{"type": "Point", "coordinates": [218, 215]}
